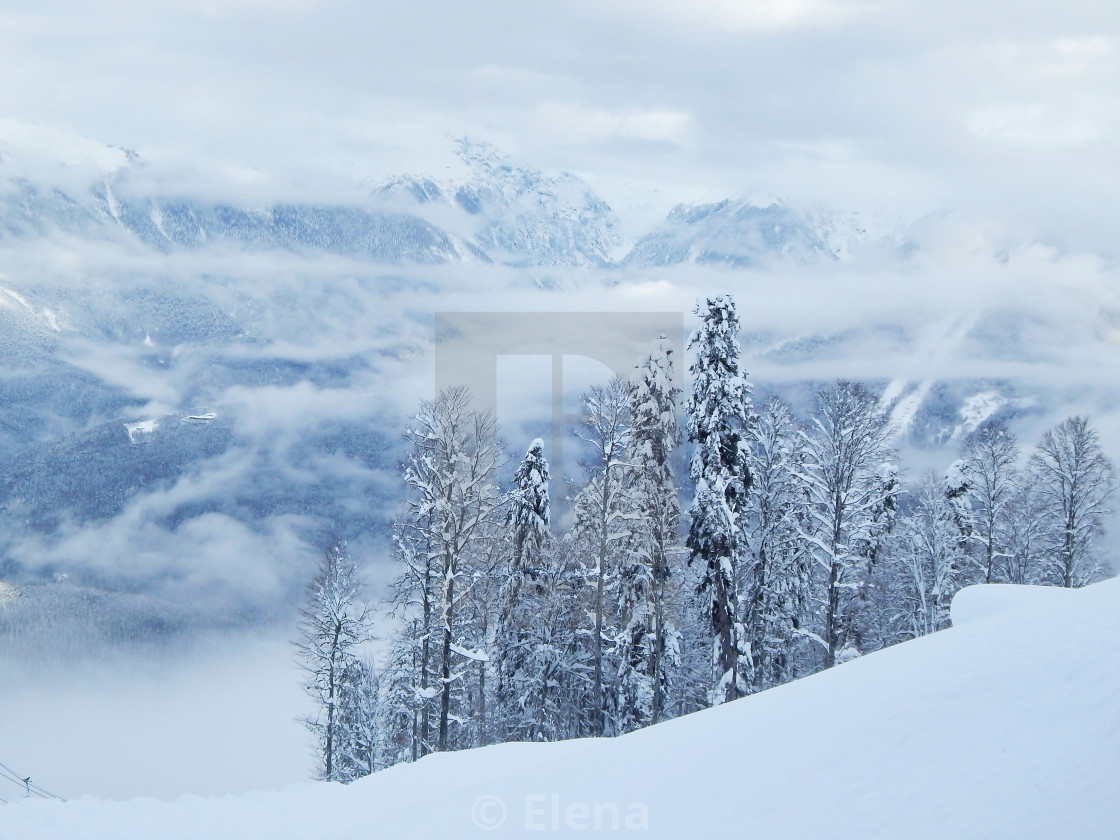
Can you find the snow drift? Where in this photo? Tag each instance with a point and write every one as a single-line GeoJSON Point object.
{"type": "Point", "coordinates": [1007, 726]}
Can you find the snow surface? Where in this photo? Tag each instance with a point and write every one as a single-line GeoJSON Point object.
{"type": "Point", "coordinates": [215, 719]}
{"type": "Point", "coordinates": [137, 430]}
{"type": "Point", "coordinates": [8, 297]}
{"type": "Point", "coordinates": [975, 410]}
{"type": "Point", "coordinates": [1007, 726]}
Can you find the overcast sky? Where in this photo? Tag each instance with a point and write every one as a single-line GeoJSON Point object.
{"type": "Point", "coordinates": [1003, 111]}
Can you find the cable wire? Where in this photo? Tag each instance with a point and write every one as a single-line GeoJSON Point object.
{"type": "Point", "coordinates": [25, 782]}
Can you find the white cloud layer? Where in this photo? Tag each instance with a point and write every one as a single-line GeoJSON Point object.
{"type": "Point", "coordinates": [766, 16]}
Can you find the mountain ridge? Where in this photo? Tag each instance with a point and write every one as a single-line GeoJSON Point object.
{"type": "Point", "coordinates": [490, 210]}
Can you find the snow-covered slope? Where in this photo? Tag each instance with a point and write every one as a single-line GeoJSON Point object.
{"type": "Point", "coordinates": [113, 210]}
{"type": "Point", "coordinates": [1007, 726]}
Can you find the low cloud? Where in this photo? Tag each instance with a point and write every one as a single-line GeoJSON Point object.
{"type": "Point", "coordinates": [577, 124]}
{"type": "Point", "coordinates": [763, 16]}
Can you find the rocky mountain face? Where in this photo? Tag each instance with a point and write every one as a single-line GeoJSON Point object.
{"type": "Point", "coordinates": [491, 211]}
{"type": "Point", "coordinates": [742, 234]}
{"type": "Point", "coordinates": [515, 215]}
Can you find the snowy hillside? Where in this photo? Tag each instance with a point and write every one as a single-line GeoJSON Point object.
{"type": "Point", "coordinates": [1006, 726]}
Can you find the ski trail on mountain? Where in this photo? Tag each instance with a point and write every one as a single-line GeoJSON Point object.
{"type": "Point", "coordinates": [902, 398]}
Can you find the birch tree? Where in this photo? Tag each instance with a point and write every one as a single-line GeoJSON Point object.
{"type": "Point", "coordinates": [604, 518]}
{"type": "Point", "coordinates": [1074, 479]}
{"type": "Point", "coordinates": [990, 456]}
{"type": "Point", "coordinates": [414, 602]}
{"type": "Point", "coordinates": [846, 448]}
{"type": "Point", "coordinates": [776, 574]}
{"type": "Point", "coordinates": [934, 558]}
{"type": "Point", "coordinates": [450, 473]}
{"type": "Point", "coordinates": [334, 623]}
{"type": "Point", "coordinates": [1026, 542]}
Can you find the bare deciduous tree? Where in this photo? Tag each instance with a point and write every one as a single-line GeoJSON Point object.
{"type": "Point", "coordinates": [451, 473]}
{"type": "Point", "coordinates": [845, 453]}
{"type": "Point", "coordinates": [1074, 479]}
{"type": "Point", "coordinates": [334, 623]}
{"type": "Point", "coordinates": [990, 456]}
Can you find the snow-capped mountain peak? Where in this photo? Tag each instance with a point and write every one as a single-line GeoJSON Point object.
{"type": "Point", "coordinates": [519, 215]}
{"type": "Point", "coordinates": [742, 232]}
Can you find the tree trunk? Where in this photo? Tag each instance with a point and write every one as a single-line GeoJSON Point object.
{"type": "Point", "coordinates": [990, 544]}
{"type": "Point", "coordinates": [483, 734]}
{"type": "Point", "coordinates": [832, 620]}
{"type": "Point", "coordinates": [723, 622]}
{"type": "Point", "coordinates": [831, 630]}
{"type": "Point", "coordinates": [445, 668]}
{"type": "Point", "coordinates": [658, 649]}
{"type": "Point", "coordinates": [425, 655]}
{"type": "Point", "coordinates": [332, 699]}
{"type": "Point", "coordinates": [598, 727]}
{"type": "Point", "coordinates": [1068, 551]}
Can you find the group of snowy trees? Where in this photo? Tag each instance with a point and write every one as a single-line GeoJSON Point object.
{"type": "Point", "coordinates": [801, 549]}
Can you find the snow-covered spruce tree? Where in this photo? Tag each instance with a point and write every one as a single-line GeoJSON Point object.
{"type": "Point", "coordinates": [400, 710]}
{"type": "Point", "coordinates": [528, 519]}
{"type": "Point", "coordinates": [691, 689]}
{"type": "Point", "coordinates": [530, 513]}
{"type": "Point", "coordinates": [604, 521]}
{"type": "Point", "coordinates": [359, 716]}
{"type": "Point", "coordinates": [850, 496]}
{"type": "Point", "coordinates": [719, 420]}
{"type": "Point", "coordinates": [649, 639]}
{"type": "Point", "coordinates": [775, 573]}
{"type": "Point", "coordinates": [989, 461]}
{"type": "Point", "coordinates": [334, 623]}
{"type": "Point", "coordinates": [933, 557]}
{"type": "Point", "coordinates": [553, 689]}
{"type": "Point", "coordinates": [1074, 479]}
{"type": "Point", "coordinates": [450, 473]}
